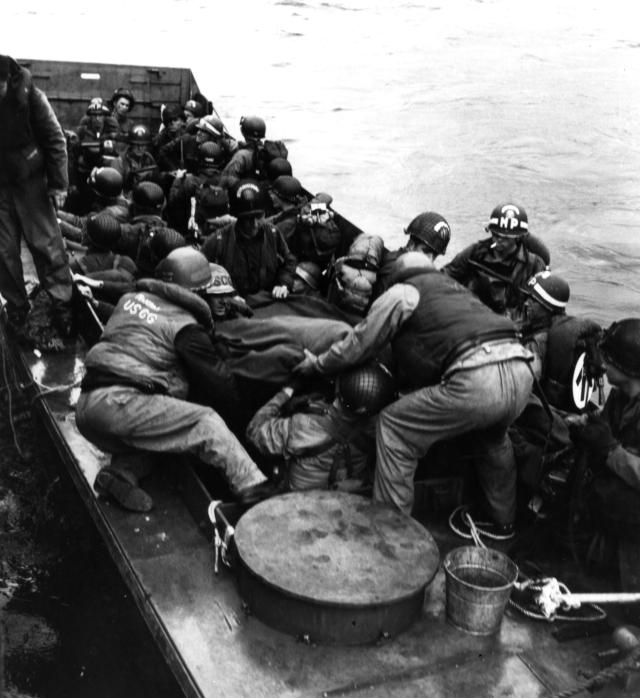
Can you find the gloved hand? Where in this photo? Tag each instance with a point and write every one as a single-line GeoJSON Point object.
{"type": "Point", "coordinates": [593, 437]}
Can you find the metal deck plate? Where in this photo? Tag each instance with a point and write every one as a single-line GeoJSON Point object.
{"type": "Point", "coordinates": [333, 566]}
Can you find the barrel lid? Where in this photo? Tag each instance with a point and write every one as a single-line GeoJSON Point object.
{"type": "Point", "coordinates": [336, 548]}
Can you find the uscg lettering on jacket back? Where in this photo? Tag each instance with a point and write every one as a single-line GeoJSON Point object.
{"type": "Point", "coordinates": [142, 307]}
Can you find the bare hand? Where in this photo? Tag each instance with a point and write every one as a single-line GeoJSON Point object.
{"type": "Point", "coordinates": [58, 197]}
{"type": "Point", "coordinates": [308, 366]}
{"type": "Point", "coordinates": [279, 292]}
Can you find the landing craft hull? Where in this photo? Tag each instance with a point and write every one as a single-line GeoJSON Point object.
{"type": "Point", "coordinates": [197, 619]}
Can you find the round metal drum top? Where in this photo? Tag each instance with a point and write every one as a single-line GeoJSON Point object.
{"type": "Point", "coordinates": [336, 548]}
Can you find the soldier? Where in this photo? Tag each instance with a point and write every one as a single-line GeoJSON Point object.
{"type": "Point", "coordinates": [497, 269]}
{"type": "Point", "coordinates": [253, 250]}
{"type": "Point", "coordinates": [610, 441]}
{"type": "Point", "coordinates": [324, 443]}
{"type": "Point", "coordinates": [33, 184]}
{"type": "Point", "coordinates": [462, 369]}
{"type": "Point", "coordinates": [134, 391]}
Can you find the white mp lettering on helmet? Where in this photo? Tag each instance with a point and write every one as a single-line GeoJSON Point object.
{"type": "Point", "coordinates": [509, 218]}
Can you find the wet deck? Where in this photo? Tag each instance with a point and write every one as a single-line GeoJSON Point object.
{"type": "Point", "coordinates": [214, 649]}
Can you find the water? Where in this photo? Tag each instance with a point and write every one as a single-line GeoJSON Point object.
{"type": "Point", "coordinates": [397, 107]}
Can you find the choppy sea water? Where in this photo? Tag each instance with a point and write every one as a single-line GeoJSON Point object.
{"type": "Point", "coordinates": [398, 107]}
{"type": "Point", "coordinates": [395, 108]}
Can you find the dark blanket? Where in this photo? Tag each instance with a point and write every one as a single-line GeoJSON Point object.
{"type": "Point", "coordinates": [298, 305]}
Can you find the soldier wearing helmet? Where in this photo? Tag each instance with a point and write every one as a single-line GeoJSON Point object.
{"type": "Point", "coordinates": [307, 280]}
{"type": "Point", "coordinates": [136, 163]}
{"type": "Point", "coordinates": [254, 251]}
{"type": "Point", "coordinates": [497, 268]}
{"type": "Point", "coordinates": [134, 394]}
{"type": "Point", "coordinates": [121, 103]}
{"type": "Point", "coordinates": [567, 366]}
{"type": "Point", "coordinates": [287, 198]}
{"type": "Point", "coordinates": [147, 209]}
{"type": "Point", "coordinates": [172, 127]}
{"type": "Point", "coordinates": [211, 128]}
{"type": "Point", "coordinates": [104, 185]}
{"type": "Point", "coordinates": [610, 441]}
{"type": "Point", "coordinates": [460, 368]}
{"type": "Point", "coordinates": [428, 233]}
{"type": "Point", "coordinates": [252, 157]}
{"type": "Point", "coordinates": [325, 443]}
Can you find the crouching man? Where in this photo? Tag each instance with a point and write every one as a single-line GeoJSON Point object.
{"type": "Point", "coordinates": [325, 444]}
{"type": "Point", "coordinates": [134, 392]}
{"type": "Point", "coordinates": [611, 442]}
{"type": "Point", "coordinates": [462, 369]}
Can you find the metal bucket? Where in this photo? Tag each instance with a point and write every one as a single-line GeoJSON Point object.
{"type": "Point", "coordinates": [478, 584]}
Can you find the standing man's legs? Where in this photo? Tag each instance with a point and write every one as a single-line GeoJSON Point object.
{"type": "Point", "coordinates": [11, 274]}
{"type": "Point", "coordinates": [469, 400]}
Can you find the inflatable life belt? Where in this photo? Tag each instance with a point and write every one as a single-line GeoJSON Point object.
{"type": "Point", "coordinates": [571, 365]}
{"type": "Point", "coordinates": [354, 275]}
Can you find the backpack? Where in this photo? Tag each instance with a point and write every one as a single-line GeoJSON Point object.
{"type": "Point", "coordinates": [317, 235]}
{"type": "Point", "coordinates": [353, 276]}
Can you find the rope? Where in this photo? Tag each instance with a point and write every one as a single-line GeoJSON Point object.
{"type": "Point", "coordinates": [10, 401]}
{"type": "Point", "coordinates": [619, 668]}
{"type": "Point", "coordinates": [536, 585]}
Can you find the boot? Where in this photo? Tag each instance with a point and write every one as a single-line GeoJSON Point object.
{"type": "Point", "coordinates": [63, 319]}
{"type": "Point", "coordinates": [123, 489]}
{"type": "Point", "coordinates": [17, 320]}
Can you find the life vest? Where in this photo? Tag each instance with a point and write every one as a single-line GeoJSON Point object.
{"type": "Point", "coordinates": [571, 363]}
{"type": "Point", "coordinates": [353, 276]}
{"type": "Point", "coordinates": [138, 342]}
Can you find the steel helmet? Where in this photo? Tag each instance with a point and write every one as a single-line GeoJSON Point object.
{"type": "Point", "coordinates": [97, 108]}
{"type": "Point", "coordinates": [186, 267]}
{"type": "Point", "coordinates": [277, 167]}
{"type": "Point", "coordinates": [310, 273]}
{"type": "Point", "coordinates": [247, 199]}
{"type": "Point", "coordinates": [148, 195]}
{"type": "Point", "coordinates": [549, 290]}
{"type": "Point", "coordinates": [366, 389]}
{"type": "Point", "coordinates": [213, 202]}
{"type": "Point", "coordinates": [220, 281]}
{"type": "Point", "coordinates": [509, 220]}
{"type": "Point", "coordinates": [140, 134]}
{"type": "Point", "coordinates": [432, 229]}
{"type": "Point", "coordinates": [288, 188]}
{"type": "Point", "coordinates": [194, 107]}
{"type": "Point", "coordinates": [106, 182]}
{"type": "Point", "coordinates": [620, 346]}
{"type": "Point", "coordinates": [171, 113]}
{"type": "Point", "coordinates": [123, 92]}
{"type": "Point", "coordinates": [211, 124]}
{"type": "Point", "coordinates": [103, 230]}
{"type": "Point", "coordinates": [253, 127]}
{"type": "Point", "coordinates": [164, 241]}
{"type": "Point", "coordinates": [211, 154]}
